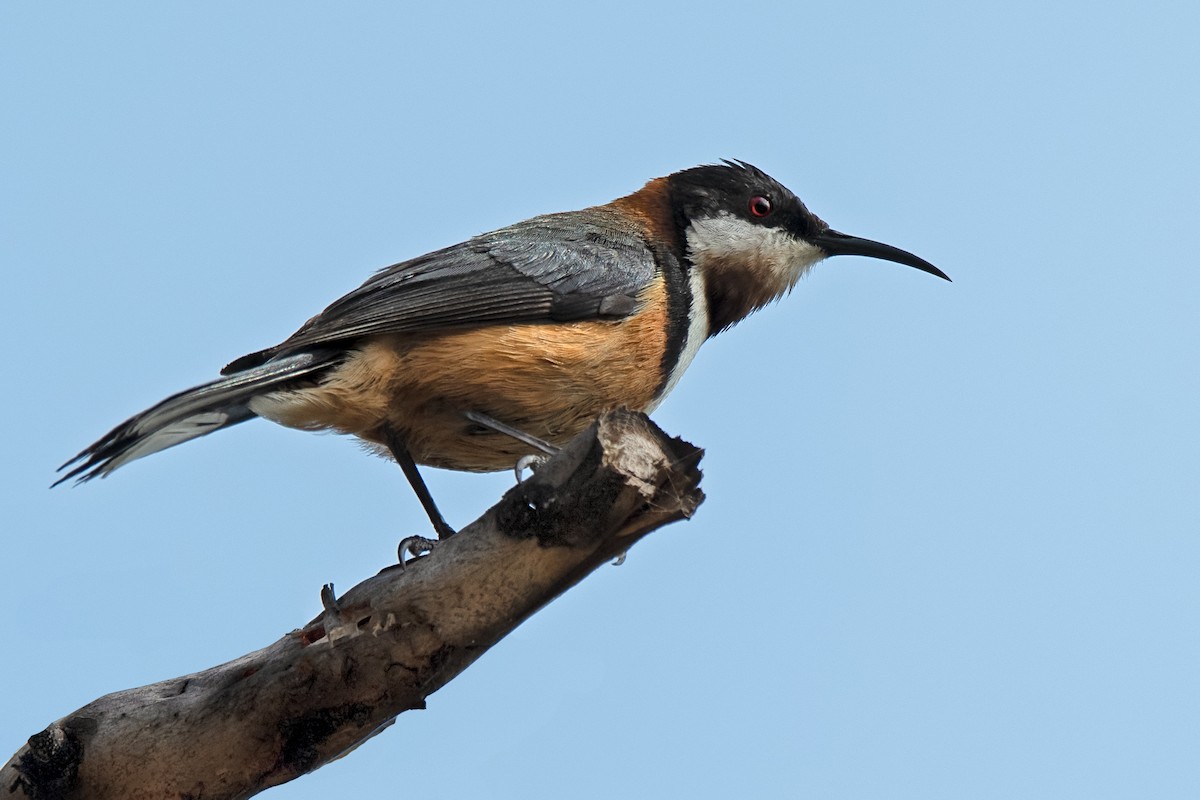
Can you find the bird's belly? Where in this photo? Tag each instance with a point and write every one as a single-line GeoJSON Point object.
{"type": "Point", "coordinates": [549, 381]}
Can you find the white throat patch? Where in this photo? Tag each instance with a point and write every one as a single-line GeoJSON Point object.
{"type": "Point", "coordinates": [729, 239]}
{"type": "Point", "coordinates": [697, 333]}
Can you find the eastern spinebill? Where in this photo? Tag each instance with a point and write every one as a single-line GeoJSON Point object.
{"type": "Point", "coordinates": [482, 353]}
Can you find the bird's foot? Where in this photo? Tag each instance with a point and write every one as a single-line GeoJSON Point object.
{"type": "Point", "coordinates": [415, 546]}
{"type": "Point", "coordinates": [529, 462]}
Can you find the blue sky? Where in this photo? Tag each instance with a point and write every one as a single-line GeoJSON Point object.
{"type": "Point", "coordinates": [951, 539]}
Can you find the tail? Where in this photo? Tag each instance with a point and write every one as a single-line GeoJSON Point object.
{"type": "Point", "coordinates": [191, 414]}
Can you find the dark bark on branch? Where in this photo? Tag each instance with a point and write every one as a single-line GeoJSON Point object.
{"type": "Point", "coordinates": [381, 649]}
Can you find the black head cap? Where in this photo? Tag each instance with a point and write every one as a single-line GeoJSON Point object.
{"type": "Point", "coordinates": [738, 189]}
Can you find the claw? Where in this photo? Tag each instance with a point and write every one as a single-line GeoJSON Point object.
{"type": "Point", "coordinates": [415, 546]}
{"type": "Point", "coordinates": [529, 462]}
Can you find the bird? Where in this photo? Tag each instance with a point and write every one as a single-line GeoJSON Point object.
{"type": "Point", "coordinates": [481, 354]}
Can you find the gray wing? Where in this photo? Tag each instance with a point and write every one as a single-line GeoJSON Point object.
{"type": "Point", "coordinates": [560, 267]}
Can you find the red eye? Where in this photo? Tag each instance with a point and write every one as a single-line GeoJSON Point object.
{"type": "Point", "coordinates": [760, 206]}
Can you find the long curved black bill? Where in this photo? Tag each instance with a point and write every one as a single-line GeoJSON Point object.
{"type": "Point", "coordinates": [836, 243]}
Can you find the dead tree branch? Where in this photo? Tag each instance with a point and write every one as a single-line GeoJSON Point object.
{"type": "Point", "coordinates": [381, 649]}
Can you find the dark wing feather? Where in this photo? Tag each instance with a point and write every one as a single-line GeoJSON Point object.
{"type": "Point", "coordinates": [561, 267]}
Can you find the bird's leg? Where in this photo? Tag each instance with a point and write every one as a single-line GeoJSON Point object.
{"type": "Point", "coordinates": [395, 443]}
{"type": "Point", "coordinates": [525, 462]}
{"type": "Point", "coordinates": [509, 430]}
